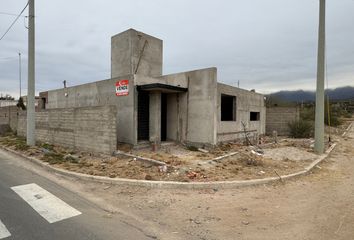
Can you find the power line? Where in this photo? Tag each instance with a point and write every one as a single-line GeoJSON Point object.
{"type": "Point", "coordinates": [7, 58]}
{"type": "Point", "coordinates": [18, 16]}
{"type": "Point", "coordinates": [10, 14]}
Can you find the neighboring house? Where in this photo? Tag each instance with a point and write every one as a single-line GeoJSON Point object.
{"type": "Point", "coordinates": [36, 101]}
{"type": "Point", "coordinates": [189, 107]}
{"type": "Point", "coordinates": [7, 103]}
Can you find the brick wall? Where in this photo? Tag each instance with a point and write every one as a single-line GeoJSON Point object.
{"type": "Point", "coordinates": [278, 119]}
{"type": "Point", "coordinates": [89, 129]}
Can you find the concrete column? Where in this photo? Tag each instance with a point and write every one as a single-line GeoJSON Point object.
{"type": "Point", "coordinates": [31, 125]}
{"type": "Point", "coordinates": [321, 63]}
{"type": "Point", "coordinates": [155, 117]}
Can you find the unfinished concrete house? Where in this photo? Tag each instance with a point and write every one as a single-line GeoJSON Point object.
{"type": "Point", "coordinates": [189, 107]}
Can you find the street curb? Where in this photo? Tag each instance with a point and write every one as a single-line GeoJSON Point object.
{"type": "Point", "coordinates": [347, 130]}
{"type": "Point", "coordinates": [175, 185]}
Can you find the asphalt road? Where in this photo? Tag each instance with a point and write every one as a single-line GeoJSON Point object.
{"type": "Point", "coordinates": [33, 211]}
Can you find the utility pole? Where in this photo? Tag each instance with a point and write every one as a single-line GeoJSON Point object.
{"type": "Point", "coordinates": [31, 77]}
{"type": "Point", "coordinates": [319, 120]}
{"type": "Point", "coordinates": [19, 73]}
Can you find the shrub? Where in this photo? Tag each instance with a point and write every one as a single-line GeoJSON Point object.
{"type": "Point", "coordinates": [335, 121]}
{"type": "Point", "coordinates": [308, 113]}
{"type": "Point", "coordinates": [20, 104]}
{"type": "Point", "coordinates": [22, 146]}
{"type": "Point", "coordinates": [301, 129]}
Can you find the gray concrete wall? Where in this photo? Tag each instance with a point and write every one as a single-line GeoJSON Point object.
{"type": "Point", "coordinates": [9, 116]}
{"type": "Point", "coordinates": [126, 49]}
{"type": "Point", "coordinates": [14, 113]}
{"type": "Point", "coordinates": [194, 110]}
{"type": "Point", "coordinates": [246, 102]}
{"type": "Point", "coordinates": [172, 117]}
{"type": "Point", "coordinates": [89, 129]}
{"type": "Point", "coordinates": [4, 115]}
{"type": "Point", "coordinates": [278, 119]}
{"type": "Point", "coordinates": [155, 117]}
{"type": "Point", "coordinates": [102, 93]}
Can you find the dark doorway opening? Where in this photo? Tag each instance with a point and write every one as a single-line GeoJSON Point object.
{"type": "Point", "coordinates": [44, 101]}
{"type": "Point", "coordinates": [143, 115]}
{"type": "Point", "coordinates": [228, 108]}
{"type": "Point", "coordinates": [163, 116]}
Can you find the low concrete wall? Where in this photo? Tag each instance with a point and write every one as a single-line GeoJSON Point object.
{"type": "Point", "coordinates": [9, 116]}
{"type": "Point", "coordinates": [88, 128]}
{"type": "Point", "coordinates": [101, 93]}
{"type": "Point", "coordinates": [4, 115]}
{"type": "Point", "coordinates": [279, 117]}
{"type": "Point", "coordinates": [4, 128]}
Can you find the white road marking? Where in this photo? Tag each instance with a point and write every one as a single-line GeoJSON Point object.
{"type": "Point", "coordinates": [4, 233]}
{"type": "Point", "coordinates": [46, 204]}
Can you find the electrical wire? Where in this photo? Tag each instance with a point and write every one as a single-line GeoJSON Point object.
{"type": "Point", "coordinates": [18, 16]}
{"type": "Point", "coordinates": [10, 14]}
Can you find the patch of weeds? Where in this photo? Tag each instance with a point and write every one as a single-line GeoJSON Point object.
{"type": "Point", "coordinates": [22, 146]}
{"type": "Point", "coordinates": [192, 148]}
{"type": "Point", "coordinates": [253, 162]}
{"type": "Point", "coordinates": [8, 134]}
{"type": "Point", "coordinates": [5, 141]}
{"type": "Point", "coordinates": [88, 164]}
{"type": "Point", "coordinates": [71, 159]}
{"type": "Point", "coordinates": [47, 146]}
{"type": "Point", "coordinates": [18, 142]}
{"type": "Point", "coordinates": [74, 160]}
{"type": "Point", "coordinates": [53, 158]}
{"type": "Point", "coordinates": [301, 129]}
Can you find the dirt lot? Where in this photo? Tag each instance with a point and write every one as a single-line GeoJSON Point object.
{"type": "Point", "coordinates": [183, 163]}
{"type": "Point", "coordinates": [285, 157]}
{"type": "Point", "coordinates": [318, 206]}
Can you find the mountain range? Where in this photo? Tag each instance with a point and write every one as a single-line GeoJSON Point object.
{"type": "Point", "coordinates": [342, 93]}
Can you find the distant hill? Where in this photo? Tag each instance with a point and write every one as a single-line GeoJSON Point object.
{"type": "Point", "coordinates": [341, 93]}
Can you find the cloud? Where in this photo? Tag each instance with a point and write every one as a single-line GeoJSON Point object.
{"type": "Point", "coordinates": [266, 45]}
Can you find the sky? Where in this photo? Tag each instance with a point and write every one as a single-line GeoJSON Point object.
{"type": "Point", "coordinates": [264, 45]}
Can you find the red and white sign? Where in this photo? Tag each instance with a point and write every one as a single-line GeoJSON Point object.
{"type": "Point", "coordinates": [122, 88]}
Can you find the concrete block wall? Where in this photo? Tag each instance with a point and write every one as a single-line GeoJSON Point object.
{"type": "Point", "coordinates": [9, 116]}
{"type": "Point", "coordinates": [101, 93]}
{"type": "Point", "coordinates": [14, 113]}
{"type": "Point", "coordinates": [4, 115]}
{"type": "Point", "coordinates": [88, 128]}
{"type": "Point", "coordinates": [278, 119]}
